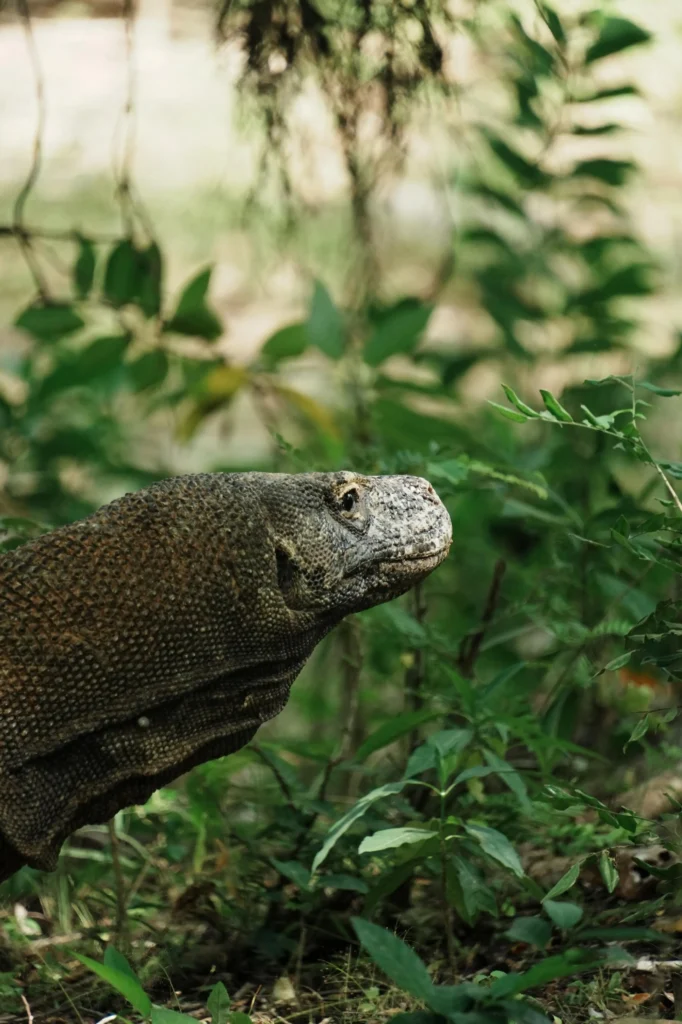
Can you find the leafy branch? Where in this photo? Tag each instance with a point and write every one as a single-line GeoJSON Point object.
{"type": "Point", "coordinates": [628, 437]}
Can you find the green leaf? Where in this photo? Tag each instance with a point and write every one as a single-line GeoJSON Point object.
{"type": "Point", "coordinates": [101, 357]}
{"type": "Point", "coordinates": [387, 883]}
{"type": "Point", "coordinates": [564, 915]}
{"type": "Point", "coordinates": [557, 410]}
{"type": "Point", "coordinates": [533, 930]}
{"type": "Point", "coordinates": [478, 771]}
{"type": "Point", "coordinates": [497, 846]}
{"type": "Point", "coordinates": [218, 1004]}
{"type": "Point", "coordinates": [193, 317]}
{"type": "Point", "coordinates": [450, 741]}
{"type": "Point", "coordinates": [663, 392]}
{"type": "Point", "coordinates": [608, 128]}
{"type": "Point", "coordinates": [455, 471]}
{"type": "Point", "coordinates": [392, 730]}
{"type": "Point", "coordinates": [149, 280]}
{"type": "Point", "coordinates": [553, 23]}
{"type": "Point", "coordinates": [236, 1017]}
{"type": "Point", "coordinates": [616, 34]}
{"type": "Point", "coordinates": [160, 1015]}
{"type": "Point", "coordinates": [420, 760]}
{"type": "Point", "coordinates": [608, 871]}
{"type": "Point", "coordinates": [389, 838]}
{"type": "Point", "coordinates": [611, 172]}
{"type": "Point", "coordinates": [405, 625]}
{"type": "Point", "coordinates": [521, 406]}
{"type": "Point", "coordinates": [476, 895]}
{"type": "Point", "coordinates": [573, 961]}
{"type": "Point", "coordinates": [395, 958]}
{"type": "Point", "coordinates": [351, 816]}
{"type": "Point", "coordinates": [503, 199]}
{"type": "Point", "coordinates": [618, 662]}
{"type": "Point", "coordinates": [509, 775]}
{"type": "Point", "coordinates": [287, 343]}
{"type": "Point", "coordinates": [149, 370]}
{"type": "Point", "coordinates": [566, 882]}
{"type": "Point", "coordinates": [195, 292]}
{"type": "Point", "coordinates": [640, 730]}
{"type": "Point", "coordinates": [347, 882]}
{"type": "Point", "coordinates": [398, 331]}
{"type": "Point", "coordinates": [521, 1012]}
{"type": "Point", "coordinates": [121, 274]}
{"type": "Point", "coordinates": [510, 414]}
{"type": "Point", "coordinates": [124, 983]}
{"type": "Point", "coordinates": [112, 958]}
{"type": "Point", "coordinates": [528, 173]}
{"type": "Point", "coordinates": [325, 327]}
{"type": "Point", "coordinates": [293, 870]}
{"type": "Point", "coordinates": [608, 94]}
{"type": "Point", "coordinates": [501, 678]}
{"type": "Point", "coordinates": [537, 486]}
{"type": "Point", "coordinates": [49, 322]}
{"type": "Point", "coordinates": [84, 268]}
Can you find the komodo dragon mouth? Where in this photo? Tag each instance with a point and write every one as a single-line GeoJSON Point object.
{"type": "Point", "coordinates": [435, 557]}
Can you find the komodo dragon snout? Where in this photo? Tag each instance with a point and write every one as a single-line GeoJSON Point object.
{"type": "Point", "coordinates": [163, 630]}
{"type": "Point", "coordinates": [349, 542]}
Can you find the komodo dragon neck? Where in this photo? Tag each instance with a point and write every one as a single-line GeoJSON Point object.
{"type": "Point", "coordinates": [161, 631]}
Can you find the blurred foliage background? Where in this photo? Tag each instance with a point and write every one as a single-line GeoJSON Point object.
{"type": "Point", "coordinates": [299, 235]}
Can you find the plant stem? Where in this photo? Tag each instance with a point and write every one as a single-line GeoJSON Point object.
{"type": "Point", "coordinates": [447, 909]}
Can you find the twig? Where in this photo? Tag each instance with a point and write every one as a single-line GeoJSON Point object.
{"type": "Point", "coordinates": [471, 645]}
{"type": "Point", "coordinates": [671, 490]}
{"type": "Point", "coordinates": [283, 784]}
{"type": "Point", "coordinates": [448, 916]}
{"type": "Point", "coordinates": [414, 676]}
{"type": "Point", "coordinates": [29, 1015]}
{"type": "Point", "coordinates": [123, 173]}
{"type": "Point", "coordinates": [53, 235]}
{"type": "Point", "coordinates": [19, 230]}
{"type": "Point", "coordinates": [121, 916]}
{"type": "Point", "coordinates": [131, 205]}
{"type": "Point", "coordinates": [300, 953]}
{"type": "Point", "coordinates": [223, 15]}
{"type": "Point", "coordinates": [352, 662]}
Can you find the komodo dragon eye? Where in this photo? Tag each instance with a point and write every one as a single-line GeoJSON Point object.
{"type": "Point", "coordinates": [350, 500]}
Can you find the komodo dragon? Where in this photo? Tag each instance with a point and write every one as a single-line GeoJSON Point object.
{"type": "Point", "coordinates": [162, 630]}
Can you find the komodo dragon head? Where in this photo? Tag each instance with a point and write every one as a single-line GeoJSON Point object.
{"type": "Point", "coordinates": [161, 631]}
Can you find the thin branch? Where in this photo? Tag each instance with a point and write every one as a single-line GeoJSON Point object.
{"type": "Point", "coordinates": [123, 173]}
{"type": "Point", "coordinates": [131, 206]}
{"type": "Point", "coordinates": [620, 437]}
{"type": "Point", "coordinates": [53, 235]}
{"type": "Point", "coordinates": [671, 490]}
{"type": "Point", "coordinates": [121, 927]}
{"type": "Point", "coordinates": [352, 662]}
{"type": "Point", "coordinates": [29, 1015]}
{"type": "Point", "coordinates": [283, 784]}
{"type": "Point", "coordinates": [414, 676]}
{"type": "Point", "coordinates": [19, 230]}
{"type": "Point", "coordinates": [471, 645]}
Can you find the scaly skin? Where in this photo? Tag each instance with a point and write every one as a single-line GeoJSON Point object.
{"type": "Point", "coordinates": [162, 630]}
